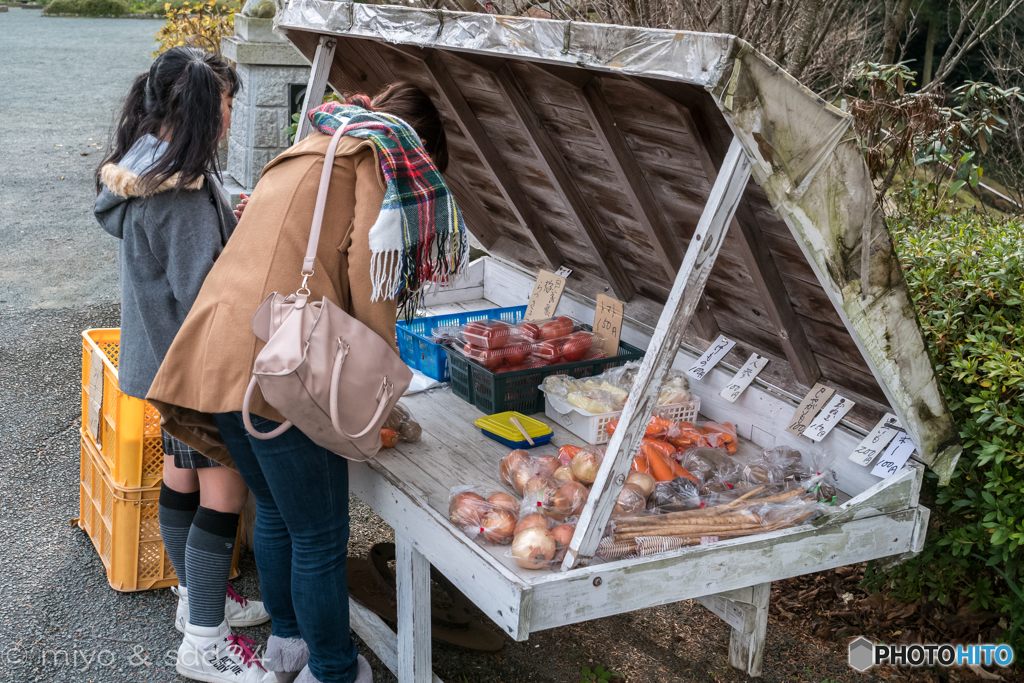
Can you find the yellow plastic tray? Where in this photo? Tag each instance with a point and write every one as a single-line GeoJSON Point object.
{"type": "Point", "coordinates": [500, 425]}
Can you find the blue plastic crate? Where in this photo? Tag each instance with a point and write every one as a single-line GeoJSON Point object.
{"type": "Point", "coordinates": [419, 351]}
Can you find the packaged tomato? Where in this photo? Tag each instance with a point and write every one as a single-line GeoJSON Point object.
{"type": "Point", "coordinates": [548, 351]}
{"type": "Point", "coordinates": [546, 330]}
{"type": "Point", "coordinates": [494, 359]}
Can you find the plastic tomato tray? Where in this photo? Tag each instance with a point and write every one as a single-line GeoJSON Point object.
{"type": "Point", "coordinates": [496, 392]}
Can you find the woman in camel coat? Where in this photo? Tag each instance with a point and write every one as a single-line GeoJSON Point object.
{"type": "Point", "coordinates": [301, 489]}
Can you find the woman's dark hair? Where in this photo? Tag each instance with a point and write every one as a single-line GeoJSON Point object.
{"type": "Point", "coordinates": [181, 95]}
{"type": "Point", "coordinates": [409, 103]}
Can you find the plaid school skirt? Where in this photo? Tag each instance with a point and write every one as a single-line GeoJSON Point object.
{"type": "Point", "coordinates": [185, 457]}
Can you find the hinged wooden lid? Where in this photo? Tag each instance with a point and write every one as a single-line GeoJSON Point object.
{"type": "Point", "coordinates": [595, 147]}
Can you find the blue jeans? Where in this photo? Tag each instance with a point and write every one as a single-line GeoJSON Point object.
{"type": "Point", "coordinates": [301, 539]}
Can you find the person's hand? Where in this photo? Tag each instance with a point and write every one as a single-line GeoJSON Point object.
{"type": "Point", "coordinates": [241, 207]}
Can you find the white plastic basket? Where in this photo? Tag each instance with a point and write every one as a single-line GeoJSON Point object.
{"type": "Point", "coordinates": [591, 426]}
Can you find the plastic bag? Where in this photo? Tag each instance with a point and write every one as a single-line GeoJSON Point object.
{"type": "Point", "coordinates": [675, 390]}
{"type": "Point", "coordinates": [631, 501]}
{"type": "Point", "coordinates": [402, 423]}
{"type": "Point", "coordinates": [594, 401]}
{"type": "Point", "coordinates": [721, 435]}
{"type": "Point", "coordinates": [704, 461]}
{"type": "Point", "coordinates": [656, 426]}
{"type": "Point", "coordinates": [519, 467]}
{"type": "Point", "coordinates": [540, 547]}
{"type": "Point", "coordinates": [675, 495]}
{"type": "Point", "coordinates": [484, 515]}
{"type": "Point", "coordinates": [557, 501]}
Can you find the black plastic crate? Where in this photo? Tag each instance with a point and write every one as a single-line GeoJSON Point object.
{"type": "Point", "coordinates": [496, 392]}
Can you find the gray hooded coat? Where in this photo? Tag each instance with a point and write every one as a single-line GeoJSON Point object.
{"type": "Point", "coordinates": [169, 242]}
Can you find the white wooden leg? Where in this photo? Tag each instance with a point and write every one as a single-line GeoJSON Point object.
{"type": "Point", "coordinates": [414, 653]}
{"type": "Point", "coordinates": [746, 611]}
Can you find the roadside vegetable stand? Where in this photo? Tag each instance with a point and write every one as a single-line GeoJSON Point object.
{"type": "Point", "coordinates": [691, 178]}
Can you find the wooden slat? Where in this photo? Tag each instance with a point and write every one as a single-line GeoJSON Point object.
{"type": "Point", "coordinates": [646, 208]}
{"type": "Point", "coordinates": [507, 184]}
{"type": "Point", "coordinates": [318, 73]}
{"type": "Point", "coordinates": [565, 184]}
{"type": "Point", "coordinates": [668, 336]}
{"type": "Point", "coordinates": [474, 213]}
{"type": "Point", "coordinates": [762, 269]}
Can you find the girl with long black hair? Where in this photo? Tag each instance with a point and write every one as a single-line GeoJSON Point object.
{"type": "Point", "coordinates": [159, 193]}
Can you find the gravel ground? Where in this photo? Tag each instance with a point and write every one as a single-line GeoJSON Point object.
{"type": "Point", "coordinates": [59, 619]}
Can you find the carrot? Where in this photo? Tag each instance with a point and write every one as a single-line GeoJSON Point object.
{"type": "Point", "coordinates": [680, 471]}
{"type": "Point", "coordinates": [640, 464]}
{"type": "Point", "coordinates": [610, 427]}
{"type": "Point", "coordinates": [388, 438]}
{"type": "Point", "coordinates": [657, 425]}
{"type": "Point", "coordinates": [660, 469]}
{"type": "Point", "coordinates": [666, 450]}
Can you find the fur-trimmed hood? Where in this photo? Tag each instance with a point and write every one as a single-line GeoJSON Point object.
{"type": "Point", "coordinates": [120, 183]}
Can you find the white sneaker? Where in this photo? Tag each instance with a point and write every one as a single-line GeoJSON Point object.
{"type": "Point", "coordinates": [237, 610]}
{"type": "Point", "coordinates": [213, 655]}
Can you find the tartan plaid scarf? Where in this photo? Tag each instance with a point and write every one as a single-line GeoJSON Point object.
{"type": "Point", "coordinates": [419, 227]}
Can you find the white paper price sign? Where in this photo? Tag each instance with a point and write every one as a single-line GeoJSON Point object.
{"type": "Point", "coordinates": [716, 352]}
{"type": "Point", "coordinates": [883, 433]}
{"type": "Point", "coordinates": [828, 418]}
{"type": "Point", "coordinates": [895, 456]}
{"type": "Point", "coordinates": [743, 378]}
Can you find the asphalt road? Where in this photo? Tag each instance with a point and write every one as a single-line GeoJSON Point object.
{"type": "Point", "coordinates": [60, 82]}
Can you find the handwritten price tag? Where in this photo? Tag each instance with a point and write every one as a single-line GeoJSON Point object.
{"type": "Point", "coordinates": [716, 352]}
{"type": "Point", "coordinates": [895, 456]}
{"type": "Point", "coordinates": [828, 418]}
{"type": "Point", "coordinates": [808, 408]}
{"type": "Point", "coordinates": [744, 377]}
{"type": "Point", "coordinates": [883, 433]}
{"type": "Point", "coordinates": [546, 294]}
{"type": "Point", "coordinates": [608, 323]}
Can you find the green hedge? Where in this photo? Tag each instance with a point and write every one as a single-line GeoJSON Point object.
{"type": "Point", "coordinates": [966, 274]}
{"type": "Point", "coordinates": [88, 8]}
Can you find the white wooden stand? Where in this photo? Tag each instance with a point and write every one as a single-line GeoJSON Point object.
{"type": "Point", "coordinates": [408, 487]}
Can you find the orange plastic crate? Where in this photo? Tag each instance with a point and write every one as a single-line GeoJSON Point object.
{"type": "Point", "coordinates": [128, 433]}
{"type": "Point", "coordinates": [124, 526]}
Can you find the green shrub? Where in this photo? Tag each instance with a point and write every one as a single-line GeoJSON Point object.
{"type": "Point", "coordinates": [966, 273]}
{"type": "Point", "coordinates": [88, 8]}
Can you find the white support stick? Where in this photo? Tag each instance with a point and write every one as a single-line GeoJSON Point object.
{"type": "Point", "coordinates": [317, 85]}
{"type": "Point", "coordinates": [413, 573]}
{"type": "Point", "coordinates": [682, 302]}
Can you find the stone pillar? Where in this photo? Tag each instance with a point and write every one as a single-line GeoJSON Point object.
{"type": "Point", "coordinates": [267, 66]}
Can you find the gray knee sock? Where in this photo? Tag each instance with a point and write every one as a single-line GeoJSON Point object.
{"type": "Point", "coordinates": [211, 544]}
{"type": "Point", "coordinates": [177, 510]}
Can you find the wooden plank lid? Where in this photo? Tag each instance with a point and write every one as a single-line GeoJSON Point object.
{"type": "Point", "coordinates": [595, 147]}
